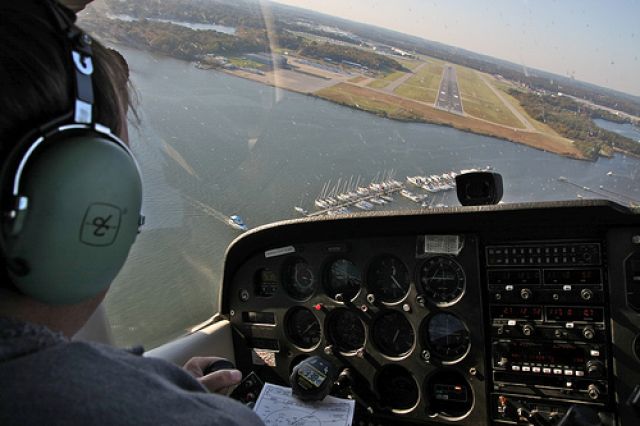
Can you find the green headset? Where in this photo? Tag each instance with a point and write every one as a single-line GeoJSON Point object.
{"type": "Point", "coordinates": [71, 193]}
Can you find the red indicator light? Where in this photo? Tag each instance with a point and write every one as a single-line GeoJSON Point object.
{"type": "Point", "coordinates": [318, 307]}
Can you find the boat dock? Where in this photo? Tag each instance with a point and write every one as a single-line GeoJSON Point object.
{"type": "Point", "coordinates": [339, 197]}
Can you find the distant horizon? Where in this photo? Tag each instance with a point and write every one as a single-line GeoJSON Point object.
{"type": "Point", "coordinates": [576, 53]}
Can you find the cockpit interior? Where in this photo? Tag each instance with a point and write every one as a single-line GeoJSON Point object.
{"type": "Point", "coordinates": [502, 314]}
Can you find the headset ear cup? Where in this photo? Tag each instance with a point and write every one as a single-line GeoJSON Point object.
{"type": "Point", "coordinates": [85, 196]}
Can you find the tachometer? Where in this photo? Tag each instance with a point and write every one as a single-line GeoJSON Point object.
{"type": "Point", "coordinates": [342, 277]}
{"type": "Point", "coordinates": [346, 330]}
{"type": "Point", "coordinates": [302, 328]}
{"type": "Point", "coordinates": [298, 279]}
{"type": "Point", "coordinates": [442, 280]}
{"type": "Point", "coordinates": [447, 336]}
{"type": "Point", "coordinates": [393, 334]}
{"type": "Point", "coordinates": [388, 279]}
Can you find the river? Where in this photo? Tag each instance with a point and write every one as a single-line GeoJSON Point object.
{"type": "Point", "coordinates": [211, 145]}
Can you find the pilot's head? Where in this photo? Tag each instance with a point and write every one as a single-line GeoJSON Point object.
{"type": "Point", "coordinates": [70, 189]}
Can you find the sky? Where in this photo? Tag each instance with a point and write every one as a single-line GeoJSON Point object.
{"type": "Point", "coordinates": [595, 41]}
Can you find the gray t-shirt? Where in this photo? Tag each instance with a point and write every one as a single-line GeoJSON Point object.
{"type": "Point", "coordinates": [45, 379]}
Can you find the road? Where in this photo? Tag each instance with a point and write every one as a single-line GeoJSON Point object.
{"type": "Point", "coordinates": [449, 95]}
{"type": "Point", "coordinates": [514, 110]}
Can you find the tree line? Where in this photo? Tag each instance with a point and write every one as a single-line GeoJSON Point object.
{"type": "Point", "coordinates": [574, 121]}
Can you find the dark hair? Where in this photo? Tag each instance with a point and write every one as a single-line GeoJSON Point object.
{"type": "Point", "coordinates": [35, 78]}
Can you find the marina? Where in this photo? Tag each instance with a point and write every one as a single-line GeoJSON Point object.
{"type": "Point", "coordinates": [345, 195]}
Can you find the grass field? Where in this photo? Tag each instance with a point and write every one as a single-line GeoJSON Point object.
{"type": "Point", "coordinates": [409, 63]}
{"type": "Point", "coordinates": [357, 79]}
{"type": "Point", "coordinates": [383, 82]}
{"type": "Point", "coordinates": [541, 127]}
{"type": "Point", "coordinates": [390, 106]}
{"type": "Point", "coordinates": [424, 85]}
{"type": "Point", "coordinates": [478, 99]}
{"type": "Point", "coordinates": [246, 63]}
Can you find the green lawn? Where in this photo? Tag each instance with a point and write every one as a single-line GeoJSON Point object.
{"type": "Point", "coordinates": [246, 63]}
{"type": "Point", "coordinates": [383, 82]}
{"type": "Point", "coordinates": [479, 100]}
{"type": "Point", "coordinates": [424, 85]}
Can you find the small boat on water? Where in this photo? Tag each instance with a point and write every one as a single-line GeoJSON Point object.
{"type": "Point", "coordinates": [236, 222]}
{"type": "Point", "coordinates": [301, 210]}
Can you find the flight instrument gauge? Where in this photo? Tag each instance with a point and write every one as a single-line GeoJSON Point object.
{"type": "Point", "coordinates": [346, 330]}
{"type": "Point", "coordinates": [298, 279]}
{"type": "Point", "coordinates": [302, 328]}
{"type": "Point", "coordinates": [397, 388]}
{"type": "Point", "coordinates": [393, 334]}
{"type": "Point", "coordinates": [388, 279]}
{"type": "Point", "coordinates": [443, 280]}
{"type": "Point", "coordinates": [342, 277]}
{"type": "Point", "coordinates": [447, 336]}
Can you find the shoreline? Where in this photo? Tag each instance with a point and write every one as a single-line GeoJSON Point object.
{"type": "Point", "coordinates": [414, 112]}
{"type": "Point", "coordinates": [535, 140]}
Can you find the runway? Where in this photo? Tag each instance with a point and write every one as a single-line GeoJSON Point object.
{"type": "Point", "coordinates": [449, 94]}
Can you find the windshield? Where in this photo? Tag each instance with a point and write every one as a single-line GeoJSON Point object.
{"type": "Point", "coordinates": [252, 112]}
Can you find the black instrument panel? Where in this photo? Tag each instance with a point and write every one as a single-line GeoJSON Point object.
{"type": "Point", "coordinates": [396, 316]}
{"type": "Point", "coordinates": [408, 306]}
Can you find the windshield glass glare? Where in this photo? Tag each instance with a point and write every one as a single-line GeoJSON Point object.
{"type": "Point", "coordinates": [253, 112]}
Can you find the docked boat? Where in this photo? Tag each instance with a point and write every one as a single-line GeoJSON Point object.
{"type": "Point", "coordinates": [236, 222]}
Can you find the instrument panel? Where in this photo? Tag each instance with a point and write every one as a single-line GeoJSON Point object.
{"type": "Point", "coordinates": [401, 315]}
{"type": "Point", "coordinates": [437, 318]}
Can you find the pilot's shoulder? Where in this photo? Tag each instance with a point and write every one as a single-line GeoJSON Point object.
{"type": "Point", "coordinates": [88, 383]}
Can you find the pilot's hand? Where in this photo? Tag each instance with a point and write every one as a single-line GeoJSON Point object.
{"type": "Point", "coordinates": [219, 381]}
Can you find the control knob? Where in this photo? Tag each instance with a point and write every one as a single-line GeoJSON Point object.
{"type": "Point", "coordinates": [588, 333]}
{"type": "Point", "coordinates": [527, 330]}
{"type": "Point", "coordinates": [525, 294]}
{"type": "Point", "coordinates": [593, 391]}
{"type": "Point", "coordinates": [595, 368]}
{"type": "Point", "coordinates": [586, 294]}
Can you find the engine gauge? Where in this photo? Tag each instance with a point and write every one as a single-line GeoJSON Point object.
{"type": "Point", "coordinates": [393, 334]}
{"type": "Point", "coordinates": [346, 330]}
{"type": "Point", "coordinates": [302, 328]}
{"type": "Point", "coordinates": [342, 277]}
{"type": "Point", "coordinates": [449, 394]}
{"type": "Point", "coordinates": [447, 336]}
{"type": "Point", "coordinates": [443, 280]}
{"type": "Point", "coordinates": [298, 279]}
{"type": "Point", "coordinates": [388, 279]}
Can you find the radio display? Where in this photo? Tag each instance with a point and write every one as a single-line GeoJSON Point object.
{"type": "Point", "coordinates": [555, 354]}
{"type": "Point", "coordinates": [529, 313]}
{"type": "Point", "coordinates": [572, 276]}
{"type": "Point", "coordinates": [574, 313]}
{"type": "Point", "coordinates": [514, 277]}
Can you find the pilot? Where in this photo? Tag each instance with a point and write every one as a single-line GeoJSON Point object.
{"type": "Point", "coordinates": [71, 197]}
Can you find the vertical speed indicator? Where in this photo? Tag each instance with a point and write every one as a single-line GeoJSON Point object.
{"type": "Point", "coordinates": [443, 280]}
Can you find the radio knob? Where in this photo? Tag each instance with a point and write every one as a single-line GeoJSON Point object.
{"type": "Point", "coordinates": [588, 333]}
{"type": "Point", "coordinates": [595, 369]}
{"type": "Point", "coordinates": [525, 294]}
{"type": "Point", "coordinates": [527, 330]}
{"type": "Point", "coordinates": [586, 294]}
{"type": "Point", "coordinates": [593, 391]}
{"type": "Point", "coordinates": [503, 361]}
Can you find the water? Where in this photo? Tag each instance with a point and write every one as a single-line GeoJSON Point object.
{"type": "Point", "coordinates": [627, 130]}
{"type": "Point", "coordinates": [194, 26]}
{"type": "Point", "coordinates": [211, 145]}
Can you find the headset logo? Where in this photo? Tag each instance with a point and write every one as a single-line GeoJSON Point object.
{"type": "Point", "coordinates": [100, 225]}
